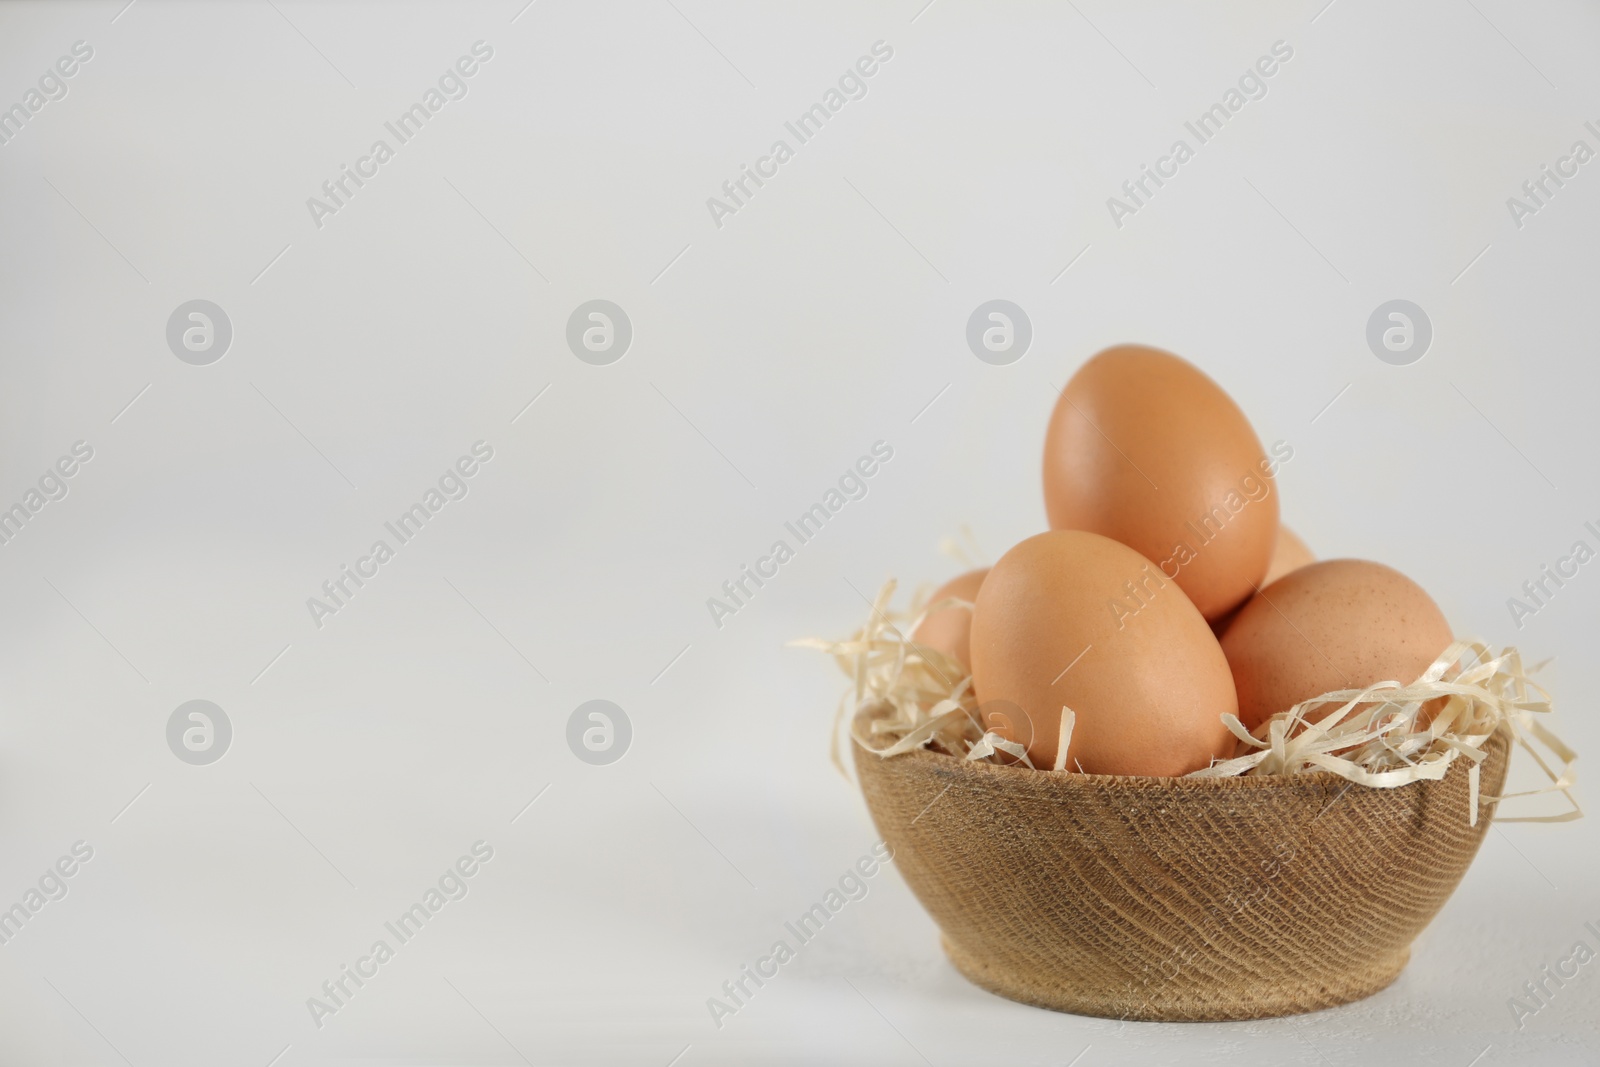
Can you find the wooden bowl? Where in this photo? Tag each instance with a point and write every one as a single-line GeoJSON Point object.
{"type": "Point", "coordinates": [1175, 898]}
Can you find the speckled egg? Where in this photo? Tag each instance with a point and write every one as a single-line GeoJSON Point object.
{"type": "Point", "coordinates": [1338, 624]}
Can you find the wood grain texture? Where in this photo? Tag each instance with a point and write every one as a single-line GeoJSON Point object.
{"type": "Point", "coordinates": [1195, 899]}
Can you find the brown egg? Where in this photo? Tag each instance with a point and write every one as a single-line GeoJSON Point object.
{"type": "Point", "coordinates": [1338, 624]}
{"type": "Point", "coordinates": [950, 630]}
{"type": "Point", "coordinates": [1288, 554]}
{"type": "Point", "coordinates": [1070, 617]}
{"type": "Point", "coordinates": [1145, 449]}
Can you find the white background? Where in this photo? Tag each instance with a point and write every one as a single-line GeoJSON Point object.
{"type": "Point", "coordinates": [766, 358]}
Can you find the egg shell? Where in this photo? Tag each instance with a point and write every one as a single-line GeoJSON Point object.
{"type": "Point", "coordinates": [1073, 618]}
{"type": "Point", "coordinates": [1338, 624]}
{"type": "Point", "coordinates": [1288, 553]}
{"type": "Point", "coordinates": [950, 630]}
{"type": "Point", "coordinates": [1143, 448]}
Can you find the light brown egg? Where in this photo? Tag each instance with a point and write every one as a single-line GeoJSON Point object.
{"type": "Point", "coordinates": [1145, 449]}
{"type": "Point", "coordinates": [1072, 618]}
{"type": "Point", "coordinates": [950, 630]}
{"type": "Point", "coordinates": [1289, 553]}
{"type": "Point", "coordinates": [1338, 624]}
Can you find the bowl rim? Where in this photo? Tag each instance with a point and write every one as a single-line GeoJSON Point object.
{"type": "Point", "coordinates": [1031, 777]}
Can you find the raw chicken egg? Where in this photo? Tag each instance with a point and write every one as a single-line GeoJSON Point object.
{"type": "Point", "coordinates": [1145, 449]}
{"type": "Point", "coordinates": [1338, 624]}
{"type": "Point", "coordinates": [1288, 553]}
{"type": "Point", "coordinates": [950, 629]}
{"type": "Point", "coordinates": [1073, 618]}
